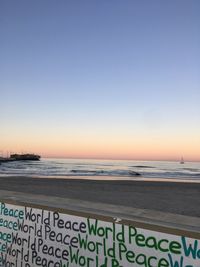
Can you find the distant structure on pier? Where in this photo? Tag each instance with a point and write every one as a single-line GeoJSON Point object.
{"type": "Point", "coordinates": [25, 157]}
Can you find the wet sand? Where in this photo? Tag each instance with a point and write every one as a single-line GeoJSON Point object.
{"type": "Point", "coordinates": [178, 198]}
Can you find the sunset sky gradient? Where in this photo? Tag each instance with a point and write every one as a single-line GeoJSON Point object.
{"type": "Point", "coordinates": [100, 79]}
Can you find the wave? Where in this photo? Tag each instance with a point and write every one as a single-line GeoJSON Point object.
{"type": "Point", "coordinates": [192, 169]}
{"type": "Point", "coordinates": [106, 172]}
{"type": "Point", "coordinates": [143, 166]}
{"type": "Point", "coordinates": [170, 174]}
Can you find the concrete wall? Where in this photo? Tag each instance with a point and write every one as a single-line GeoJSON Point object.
{"type": "Point", "coordinates": [36, 235]}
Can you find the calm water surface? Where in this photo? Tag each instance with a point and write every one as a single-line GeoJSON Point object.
{"type": "Point", "coordinates": [101, 169]}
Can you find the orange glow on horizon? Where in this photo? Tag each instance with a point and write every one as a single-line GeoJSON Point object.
{"type": "Point", "coordinates": [139, 148]}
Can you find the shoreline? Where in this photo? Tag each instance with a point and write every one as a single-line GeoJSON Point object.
{"type": "Point", "coordinates": [107, 178]}
{"type": "Point", "coordinates": [178, 198]}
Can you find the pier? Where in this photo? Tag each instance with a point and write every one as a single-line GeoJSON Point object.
{"type": "Point", "coordinates": [17, 157]}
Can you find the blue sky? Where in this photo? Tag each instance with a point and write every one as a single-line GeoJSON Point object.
{"type": "Point", "coordinates": [113, 69]}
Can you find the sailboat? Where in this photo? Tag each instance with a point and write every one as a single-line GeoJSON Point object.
{"type": "Point", "coordinates": [182, 161]}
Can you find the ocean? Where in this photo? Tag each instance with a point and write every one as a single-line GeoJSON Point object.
{"type": "Point", "coordinates": [103, 169]}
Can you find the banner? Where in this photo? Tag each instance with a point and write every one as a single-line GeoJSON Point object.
{"type": "Point", "coordinates": [34, 237]}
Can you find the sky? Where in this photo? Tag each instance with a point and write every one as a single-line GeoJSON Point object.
{"type": "Point", "coordinates": [104, 79]}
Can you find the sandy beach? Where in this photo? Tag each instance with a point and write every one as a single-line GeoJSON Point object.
{"type": "Point", "coordinates": [177, 198]}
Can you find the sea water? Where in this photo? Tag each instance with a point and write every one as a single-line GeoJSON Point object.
{"type": "Point", "coordinates": [103, 169]}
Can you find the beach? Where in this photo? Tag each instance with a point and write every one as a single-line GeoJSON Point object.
{"type": "Point", "coordinates": [172, 197]}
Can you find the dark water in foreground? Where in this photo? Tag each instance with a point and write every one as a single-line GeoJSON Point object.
{"type": "Point", "coordinates": [61, 168]}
